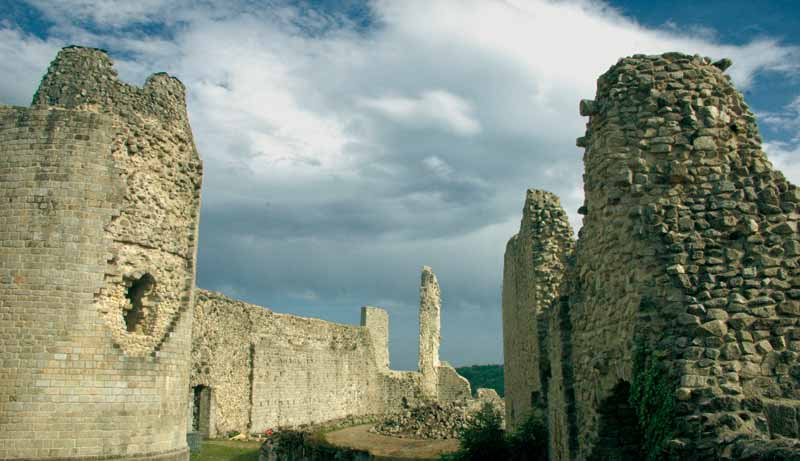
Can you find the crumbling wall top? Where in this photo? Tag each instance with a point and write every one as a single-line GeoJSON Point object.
{"type": "Point", "coordinates": [85, 77]}
{"type": "Point", "coordinates": [687, 260]}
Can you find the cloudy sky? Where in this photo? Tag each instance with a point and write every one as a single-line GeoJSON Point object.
{"type": "Point", "coordinates": [347, 143]}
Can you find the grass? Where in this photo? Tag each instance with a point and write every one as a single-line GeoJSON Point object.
{"type": "Point", "coordinates": [227, 450]}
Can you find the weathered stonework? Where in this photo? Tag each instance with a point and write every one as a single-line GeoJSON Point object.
{"type": "Point", "coordinates": [534, 265]}
{"type": "Point", "coordinates": [99, 202]}
{"type": "Point", "coordinates": [681, 303]}
{"type": "Point", "coordinates": [99, 209]}
{"type": "Point", "coordinates": [430, 311]}
{"type": "Point", "coordinates": [377, 322]}
{"type": "Point", "coordinates": [266, 370]}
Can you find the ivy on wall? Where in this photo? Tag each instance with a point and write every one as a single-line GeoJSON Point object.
{"type": "Point", "coordinates": [653, 398]}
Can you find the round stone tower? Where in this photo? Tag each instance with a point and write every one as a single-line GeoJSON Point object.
{"type": "Point", "coordinates": [99, 208]}
{"type": "Point", "coordinates": [683, 316]}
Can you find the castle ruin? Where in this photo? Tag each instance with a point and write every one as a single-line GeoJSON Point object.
{"type": "Point", "coordinates": [254, 369]}
{"type": "Point", "coordinates": [99, 198]}
{"type": "Point", "coordinates": [670, 328]}
{"type": "Point", "coordinates": [674, 332]}
{"type": "Point", "coordinates": [534, 265]}
{"type": "Point", "coordinates": [99, 211]}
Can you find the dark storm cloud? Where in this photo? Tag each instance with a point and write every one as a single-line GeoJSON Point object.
{"type": "Point", "coordinates": [343, 151]}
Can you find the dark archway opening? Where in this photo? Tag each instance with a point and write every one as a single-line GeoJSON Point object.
{"type": "Point", "coordinates": [201, 410]}
{"type": "Point", "coordinates": [138, 294]}
{"type": "Point", "coordinates": [619, 436]}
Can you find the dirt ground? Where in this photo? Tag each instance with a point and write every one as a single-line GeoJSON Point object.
{"type": "Point", "coordinates": [393, 448]}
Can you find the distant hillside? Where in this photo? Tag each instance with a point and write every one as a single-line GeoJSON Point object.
{"type": "Point", "coordinates": [488, 376]}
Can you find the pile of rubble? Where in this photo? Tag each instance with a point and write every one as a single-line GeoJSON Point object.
{"type": "Point", "coordinates": [429, 421]}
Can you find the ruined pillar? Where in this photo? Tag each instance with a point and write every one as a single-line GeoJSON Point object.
{"type": "Point", "coordinates": [100, 199]}
{"type": "Point", "coordinates": [679, 333]}
{"type": "Point", "coordinates": [532, 274]}
{"type": "Point", "coordinates": [430, 307]}
{"type": "Point", "coordinates": [377, 322]}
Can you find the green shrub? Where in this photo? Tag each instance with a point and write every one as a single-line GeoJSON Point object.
{"type": "Point", "coordinates": [529, 442]}
{"type": "Point", "coordinates": [485, 440]}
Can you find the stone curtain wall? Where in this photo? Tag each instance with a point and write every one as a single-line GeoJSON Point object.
{"type": "Point", "coordinates": [266, 370]}
{"type": "Point", "coordinates": [533, 271]}
{"type": "Point", "coordinates": [100, 194]}
{"type": "Point", "coordinates": [685, 286]}
{"type": "Point", "coordinates": [311, 371]}
{"type": "Point", "coordinates": [222, 357]}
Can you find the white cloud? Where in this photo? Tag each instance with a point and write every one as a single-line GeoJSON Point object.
{"type": "Point", "coordinates": [785, 157]}
{"type": "Point", "coordinates": [436, 107]}
{"type": "Point", "coordinates": [340, 152]}
{"type": "Point", "coordinates": [110, 13]}
{"type": "Point", "coordinates": [786, 120]}
{"type": "Point", "coordinates": [23, 61]}
{"type": "Point", "coordinates": [438, 167]}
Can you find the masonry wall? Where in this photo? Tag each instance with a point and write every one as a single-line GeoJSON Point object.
{"type": "Point", "coordinates": [689, 251]}
{"type": "Point", "coordinates": [532, 274]}
{"type": "Point", "coordinates": [377, 322]}
{"type": "Point", "coordinates": [99, 186]}
{"type": "Point", "coordinates": [311, 371]}
{"type": "Point", "coordinates": [222, 357]}
{"type": "Point", "coordinates": [430, 308]}
{"type": "Point", "coordinates": [267, 370]}
{"type": "Point", "coordinates": [451, 386]}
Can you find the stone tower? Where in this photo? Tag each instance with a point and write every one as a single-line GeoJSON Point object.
{"type": "Point", "coordinates": [430, 309]}
{"type": "Point", "coordinates": [677, 331]}
{"type": "Point", "coordinates": [99, 201]}
{"type": "Point", "coordinates": [533, 270]}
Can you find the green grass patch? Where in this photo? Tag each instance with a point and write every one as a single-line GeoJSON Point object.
{"type": "Point", "coordinates": [227, 450]}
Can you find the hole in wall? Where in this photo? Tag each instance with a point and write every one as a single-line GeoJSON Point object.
{"type": "Point", "coordinates": [619, 435]}
{"type": "Point", "coordinates": [201, 410]}
{"type": "Point", "coordinates": [138, 310]}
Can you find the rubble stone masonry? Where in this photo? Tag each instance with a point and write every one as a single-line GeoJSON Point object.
{"type": "Point", "coordinates": [534, 265]}
{"type": "Point", "coordinates": [677, 332]}
{"type": "Point", "coordinates": [99, 210]}
{"type": "Point", "coordinates": [99, 203]}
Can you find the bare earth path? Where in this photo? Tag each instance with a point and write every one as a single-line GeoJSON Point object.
{"type": "Point", "coordinates": [383, 446]}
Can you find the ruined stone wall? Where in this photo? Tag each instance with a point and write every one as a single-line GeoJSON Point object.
{"type": "Point", "coordinates": [430, 311]}
{"type": "Point", "coordinates": [377, 322]}
{"type": "Point", "coordinates": [560, 400]}
{"type": "Point", "coordinates": [451, 385]}
{"type": "Point", "coordinates": [533, 270]}
{"type": "Point", "coordinates": [222, 357]}
{"type": "Point", "coordinates": [100, 197]}
{"type": "Point", "coordinates": [309, 370]}
{"type": "Point", "coordinates": [268, 370]}
{"type": "Point", "coordinates": [685, 277]}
